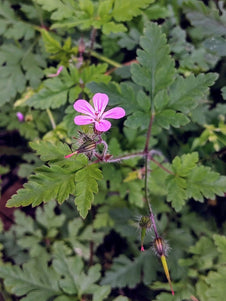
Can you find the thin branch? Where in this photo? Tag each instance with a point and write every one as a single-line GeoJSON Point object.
{"type": "Point", "coordinates": [149, 133]}
{"type": "Point", "coordinates": [161, 166]}
{"type": "Point", "coordinates": [105, 59]}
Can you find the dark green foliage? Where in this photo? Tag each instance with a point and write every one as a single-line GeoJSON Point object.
{"type": "Point", "coordinates": [162, 61]}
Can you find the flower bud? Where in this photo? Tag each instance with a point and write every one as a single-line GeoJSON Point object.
{"type": "Point", "coordinates": [86, 148]}
{"type": "Point", "coordinates": [20, 116]}
{"type": "Point", "coordinates": [160, 247]}
{"type": "Point", "coordinates": [144, 223]}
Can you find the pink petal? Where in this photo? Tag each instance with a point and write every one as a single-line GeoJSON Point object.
{"type": "Point", "coordinates": [100, 101]}
{"type": "Point", "coordinates": [102, 126]}
{"type": "Point", "coordinates": [82, 106]}
{"type": "Point", "coordinates": [82, 120]}
{"type": "Point", "coordinates": [114, 113]}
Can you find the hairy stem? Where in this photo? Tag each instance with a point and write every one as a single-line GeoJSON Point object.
{"type": "Point", "coordinates": [149, 133]}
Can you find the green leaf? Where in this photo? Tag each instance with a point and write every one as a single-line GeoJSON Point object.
{"type": "Point", "coordinates": [170, 117]}
{"type": "Point", "coordinates": [35, 280]}
{"type": "Point", "coordinates": [69, 267]}
{"type": "Point", "coordinates": [57, 91]}
{"type": "Point", "coordinates": [53, 95]}
{"type": "Point", "coordinates": [176, 192]}
{"type": "Point", "coordinates": [192, 181]}
{"type": "Point", "coordinates": [126, 10]}
{"type": "Point", "coordinates": [11, 76]}
{"type": "Point", "coordinates": [112, 27]}
{"type": "Point", "coordinates": [46, 217]}
{"type": "Point", "coordinates": [183, 165]}
{"type": "Point", "coordinates": [135, 193]}
{"type": "Point", "coordinates": [49, 151]}
{"type": "Point", "coordinates": [86, 186]}
{"type": "Point", "coordinates": [215, 280]}
{"type": "Point", "coordinates": [207, 19]}
{"type": "Point", "coordinates": [10, 25]}
{"type": "Point", "coordinates": [223, 91]}
{"type": "Point", "coordinates": [202, 182]}
{"type": "Point", "coordinates": [156, 69]}
{"type": "Point", "coordinates": [220, 242]}
{"type": "Point", "coordinates": [75, 281]}
{"type": "Point", "coordinates": [16, 69]}
{"type": "Point", "coordinates": [60, 9]}
{"type": "Point", "coordinates": [47, 184]}
{"type": "Point", "coordinates": [125, 272]}
{"type": "Point", "coordinates": [186, 92]}
{"type": "Point", "coordinates": [51, 45]}
{"type": "Point", "coordinates": [121, 298]}
{"type": "Point", "coordinates": [216, 45]}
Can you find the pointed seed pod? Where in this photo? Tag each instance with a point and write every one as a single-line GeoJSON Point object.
{"type": "Point", "coordinates": [161, 248]}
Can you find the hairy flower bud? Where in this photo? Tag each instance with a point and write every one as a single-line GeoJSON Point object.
{"type": "Point", "coordinates": [88, 147]}
{"type": "Point", "coordinates": [160, 246]}
{"type": "Point", "coordinates": [144, 223]}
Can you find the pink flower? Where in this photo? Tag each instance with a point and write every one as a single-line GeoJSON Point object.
{"type": "Point", "coordinates": [97, 115]}
{"type": "Point", "coordinates": [20, 116]}
{"type": "Point", "coordinates": [57, 73]}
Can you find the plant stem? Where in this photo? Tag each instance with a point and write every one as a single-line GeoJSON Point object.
{"type": "Point", "coordinates": [146, 183]}
{"type": "Point", "coordinates": [161, 166]}
{"type": "Point", "coordinates": [105, 59]}
{"type": "Point", "coordinates": [149, 133]}
{"type": "Point", "coordinates": [51, 118]}
{"type": "Point", "coordinates": [126, 157]}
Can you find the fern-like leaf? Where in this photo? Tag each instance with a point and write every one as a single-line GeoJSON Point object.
{"type": "Point", "coordinates": [86, 186]}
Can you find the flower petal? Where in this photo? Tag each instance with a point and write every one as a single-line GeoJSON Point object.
{"type": "Point", "coordinates": [82, 120]}
{"type": "Point", "coordinates": [100, 101]}
{"type": "Point", "coordinates": [82, 106]}
{"type": "Point", "coordinates": [103, 125]}
{"type": "Point", "coordinates": [114, 113]}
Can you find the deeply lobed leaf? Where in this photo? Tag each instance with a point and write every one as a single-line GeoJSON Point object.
{"type": "Point", "coordinates": [86, 186]}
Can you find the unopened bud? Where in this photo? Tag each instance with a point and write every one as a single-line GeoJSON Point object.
{"type": "Point", "coordinates": [144, 223]}
{"type": "Point", "coordinates": [20, 116]}
{"type": "Point", "coordinates": [29, 117]}
{"type": "Point", "coordinates": [160, 247]}
{"type": "Point", "coordinates": [87, 147]}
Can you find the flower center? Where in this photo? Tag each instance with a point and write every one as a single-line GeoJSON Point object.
{"type": "Point", "coordinates": [98, 117]}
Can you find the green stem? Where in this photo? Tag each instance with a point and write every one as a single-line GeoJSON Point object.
{"type": "Point", "coordinates": [51, 118]}
{"type": "Point", "coordinates": [105, 59]}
